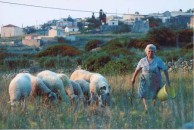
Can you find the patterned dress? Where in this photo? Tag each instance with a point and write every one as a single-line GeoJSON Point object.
{"type": "Point", "coordinates": [151, 80]}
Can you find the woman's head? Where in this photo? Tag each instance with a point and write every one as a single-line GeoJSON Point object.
{"type": "Point", "coordinates": [150, 47]}
{"type": "Point", "coordinates": [150, 50]}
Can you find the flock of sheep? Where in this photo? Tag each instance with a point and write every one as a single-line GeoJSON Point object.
{"type": "Point", "coordinates": [82, 86]}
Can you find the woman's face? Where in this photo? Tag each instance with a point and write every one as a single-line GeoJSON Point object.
{"type": "Point", "coordinates": [150, 53]}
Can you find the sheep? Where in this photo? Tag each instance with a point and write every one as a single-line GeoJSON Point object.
{"type": "Point", "coordinates": [68, 87]}
{"type": "Point", "coordinates": [58, 83]}
{"type": "Point", "coordinates": [77, 89]}
{"type": "Point", "coordinates": [24, 85]}
{"type": "Point", "coordinates": [85, 87]}
{"type": "Point", "coordinates": [98, 84]}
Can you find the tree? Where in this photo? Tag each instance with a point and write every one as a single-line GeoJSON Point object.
{"type": "Point", "coordinates": [102, 16]}
{"type": "Point", "coordinates": [93, 23]}
{"type": "Point", "coordinates": [137, 13]}
{"type": "Point", "coordinates": [93, 16]}
{"type": "Point", "coordinates": [190, 11]}
{"type": "Point", "coordinates": [29, 30]}
{"type": "Point", "coordinates": [153, 22]}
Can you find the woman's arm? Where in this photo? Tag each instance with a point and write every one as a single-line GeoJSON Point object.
{"type": "Point", "coordinates": [134, 76]}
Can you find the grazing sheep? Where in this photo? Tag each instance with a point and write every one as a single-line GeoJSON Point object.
{"type": "Point", "coordinates": [68, 86]}
{"type": "Point", "coordinates": [98, 84]}
{"type": "Point", "coordinates": [85, 86]}
{"type": "Point", "coordinates": [58, 83]}
{"type": "Point", "coordinates": [77, 89]}
{"type": "Point", "coordinates": [23, 85]}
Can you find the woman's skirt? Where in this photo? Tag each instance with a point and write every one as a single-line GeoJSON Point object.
{"type": "Point", "coordinates": [150, 84]}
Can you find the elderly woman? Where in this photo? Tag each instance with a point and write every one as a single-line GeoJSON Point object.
{"type": "Point", "coordinates": [151, 79]}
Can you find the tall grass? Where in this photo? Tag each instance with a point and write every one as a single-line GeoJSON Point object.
{"type": "Point", "coordinates": [121, 114]}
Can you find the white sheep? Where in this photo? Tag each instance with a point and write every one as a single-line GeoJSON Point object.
{"type": "Point", "coordinates": [85, 86]}
{"type": "Point", "coordinates": [23, 85]}
{"type": "Point", "coordinates": [98, 84]}
{"type": "Point", "coordinates": [68, 86]}
{"type": "Point", "coordinates": [77, 89]}
{"type": "Point", "coordinates": [58, 83]}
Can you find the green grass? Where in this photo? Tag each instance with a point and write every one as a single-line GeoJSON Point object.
{"type": "Point", "coordinates": [121, 114]}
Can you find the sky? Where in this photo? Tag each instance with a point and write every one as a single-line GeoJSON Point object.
{"type": "Point", "coordinates": [28, 16]}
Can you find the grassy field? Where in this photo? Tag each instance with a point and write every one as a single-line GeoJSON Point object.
{"type": "Point", "coordinates": [170, 114]}
{"type": "Point", "coordinates": [121, 114]}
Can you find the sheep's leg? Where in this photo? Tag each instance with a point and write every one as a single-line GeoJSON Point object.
{"type": "Point", "coordinates": [23, 104]}
{"type": "Point", "coordinates": [90, 98]}
{"type": "Point", "coordinates": [12, 108]}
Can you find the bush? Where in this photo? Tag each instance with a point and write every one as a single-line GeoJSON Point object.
{"type": "Point", "coordinates": [63, 50]}
{"type": "Point", "coordinates": [120, 51]}
{"type": "Point", "coordinates": [92, 44]}
{"type": "Point", "coordinates": [113, 45]}
{"type": "Point", "coordinates": [58, 62]}
{"type": "Point", "coordinates": [96, 61]}
{"type": "Point", "coordinates": [189, 46]}
{"type": "Point", "coordinates": [120, 66]}
{"type": "Point", "coordinates": [62, 40]}
{"type": "Point", "coordinates": [185, 36]}
{"type": "Point", "coordinates": [162, 36]}
{"type": "Point", "coordinates": [141, 43]}
{"type": "Point", "coordinates": [123, 28]}
{"type": "Point", "coordinates": [48, 62]}
{"type": "Point", "coordinates": [14, 63]}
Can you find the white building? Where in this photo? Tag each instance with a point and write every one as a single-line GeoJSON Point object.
{"type": "Point", "coordinates": [71, 29]}
{"type": "Point", "coordinates": [191, 23]}
{"type": "Point", "coordinates": [113, 22]}
{"type": "Point", "coordinates": [11, 31]}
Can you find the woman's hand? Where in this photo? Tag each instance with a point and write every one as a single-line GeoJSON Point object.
{"type": "Point", "coordinates": [134, 76]}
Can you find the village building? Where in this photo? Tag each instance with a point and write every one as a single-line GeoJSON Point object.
{"type": "Point", "coordinates": [56, 33]}
{"type": "Point", "coordinates": [32, 40]}
{"type": "Point", "coordinates": [72, 30]}
{"type": "Point", "coordinates": [11, 31]}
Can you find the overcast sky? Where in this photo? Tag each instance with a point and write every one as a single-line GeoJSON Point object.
{"type": "Point", "coordinates": [27, 16]}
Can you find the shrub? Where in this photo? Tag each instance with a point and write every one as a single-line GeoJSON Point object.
{"type": "Point", "coordinates": [120, 51]}
{"type": "Point", "coordinates": [92, 44]}
{"type": "Point", "coordinates": [96, 61]}
{"type": "Point", "coordinates": [115, 67]}
{"type": "Point", "coordinates": [162, 36]}
{"type": "Point", "coordinates": [113, 44]}
{"type": "Point", "coordinates": [189, 46]}
{"type": "Point", "coordinates": [48, 62]}
{"type": "Point", "coordinates": [14, 63]}
{"type": "Point", "coordinates": [141, 43]}
{"type": "Point", "coordinates": [185, 36]}
{"type": "Point", "coordinates": [63, 50]}
{"type": "Point", "coordinates": [57, 62]}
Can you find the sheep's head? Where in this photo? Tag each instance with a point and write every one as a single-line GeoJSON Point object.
{"type": "Point", "coordinates": [106, 99]}
{"type": "Point", "coordinates": [104, 89]}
